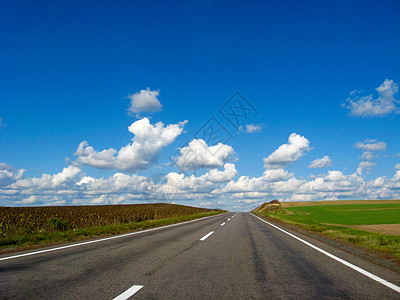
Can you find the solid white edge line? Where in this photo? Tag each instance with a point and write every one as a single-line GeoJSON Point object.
{"type": "Point", "coordinates": [104, 239]}
{"type": "Point", "coordinates": [350, 265]}
{"type": "Point", "coordinates": [223, 224]}
{"type": "Point", "coordinates": [129, 292]}
{"type": "Point", "coordinates": [206, 236]}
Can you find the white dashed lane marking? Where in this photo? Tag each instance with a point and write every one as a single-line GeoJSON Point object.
{"type": "Point", "coordinates": [206, 236]}
{"type": "Point", "coordinates": [129, 292]}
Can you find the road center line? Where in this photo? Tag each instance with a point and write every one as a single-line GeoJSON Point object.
{"type": "Point", "coordinates": [104, 239]}
{"type": "Point", "coordinates": [350, 265]}
{"type": "Point", "coordinates": [206, 236]}
{"type": "Point", "coordinates": [129, 292]}
{"type": "Point", "coordinates": [223, 224]}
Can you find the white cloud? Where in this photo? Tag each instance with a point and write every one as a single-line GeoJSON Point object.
{"type": "Point", "coordinates": [397, 167]}
{"type": "Point", "coordinates": [365, 164]}
{"type": "Point", "coordinates": [207, 204]}
{"type": "Point", "coordinates": [251, 128]}
{"type": "Point", "coordinates": [246, 184]}
{"type": "Point", "coordinates": [144, 101]}
{"type": "Point", "coordinates": [248, 201]}
{"type": "Point", "coordinates": [141, 154]}
{"type": "Point", "coordinates": [335, 176]}
{"type": "Point", "coordinates": [116, 183]}
{"type": "Point", "coordinates": [321, 162]}
{"type": "Point", "coordinates": [276, 175]}
{"type": "Point", "coordinates": [190, 184]}
{"type": "Point", "coordinates": [367, 155]}
{"type": "Point", "coordinates": [287, 153]}
{"type": "Point", "coordinates": [203, 184]}
{"type": "Point", "coordinates": [70, 187]}
{"type": "Point", "coordinates": [198, 155]}
{"type": "Point", "coordinates": [30, 200]}
{"type": "Point", "coordinates": [8, 174]}
{"type": "Point", "coordinates": [226, 175]}
{"type": "Point", "coordinates": [63, 179]}
{"type": "Point", "coordinates": [371, 145]}
{"type": "Point", "coordinates": [250, 195]}
{"type": "Point", "coordinates": [369, 107]}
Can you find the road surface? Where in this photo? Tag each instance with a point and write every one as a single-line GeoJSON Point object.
{"type": "Point", "coordinates": [220, 257]}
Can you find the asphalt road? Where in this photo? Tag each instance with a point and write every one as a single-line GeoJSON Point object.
{"type": "Point", "coordinates": [243, 259]}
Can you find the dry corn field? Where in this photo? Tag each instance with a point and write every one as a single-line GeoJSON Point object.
{"type": "Point", "coordinates": [16, 220]}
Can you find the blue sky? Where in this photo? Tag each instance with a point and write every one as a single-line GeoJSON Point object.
{"type": "Point", "coordinates": [70, 70]}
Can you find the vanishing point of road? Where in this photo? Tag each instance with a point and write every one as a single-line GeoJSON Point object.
{"type": "Point", "coordinates": [228, 256]}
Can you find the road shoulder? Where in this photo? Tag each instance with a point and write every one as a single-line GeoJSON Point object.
{"type": "Point", "coordinates": [369, 255]}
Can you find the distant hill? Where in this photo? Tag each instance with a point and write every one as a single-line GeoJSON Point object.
{"type": "Point", "coordinates": [268, 206]}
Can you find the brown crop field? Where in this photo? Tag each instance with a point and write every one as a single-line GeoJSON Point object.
{"type": "Point", "coordinates": [37, 225]}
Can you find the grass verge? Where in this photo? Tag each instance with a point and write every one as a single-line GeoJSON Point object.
{"type": "Point", "coordinates": [385, 245]}
{"type": "Point", "coordinates": [28, 240]}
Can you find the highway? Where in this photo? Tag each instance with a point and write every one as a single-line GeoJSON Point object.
{"type": "Point", "coordinates": [229, 256]}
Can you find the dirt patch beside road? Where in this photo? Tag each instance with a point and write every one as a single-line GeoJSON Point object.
{"type": "Point", "coordinates": [392, 229]}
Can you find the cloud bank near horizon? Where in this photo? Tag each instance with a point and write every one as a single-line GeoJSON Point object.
{"type": "Point", "coordinates": [219, 186]}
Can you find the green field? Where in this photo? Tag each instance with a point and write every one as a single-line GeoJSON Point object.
{"type": "Point", "coordinates": [355, 214]}
{"type": "Point", "coordinates": [344, 222]}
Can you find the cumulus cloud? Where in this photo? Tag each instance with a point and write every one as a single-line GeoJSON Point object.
{"type": "Point", "coordinates": [71, 187]}
{"type": "Point", "coordinates": [198, 155]}
{"type": "Point", "coordinates": [226, 175]}
{"type": "Point", "coordinates": [321, 162]}
{"type": "Point", "coordinates": [141, 154]}
{"type": "Point", "coordinates": [276, 175]}
{"type": "Point", "coordinates": [367, 155]}
{"type": "Point", "coordinates": [369, 107]}
{"type": "Point", "coordinates": [202, 184]}
{"type": "Point", "coordinates": [116, 183]}
{"type": "Point", "coordinates": [251, 128]}
{"type": "Point", "coordinates": [365, 164]}
{"type": "Point", "coordinates": [8, 174]}
{"type": "Point", "coordinates": [287, 153]}
{"type": "Point", "coordinates": [371, 145]}
{"type": "Point", "coordinates": [397, 167]}
{"type": "Point", "coordinates": [65, 178]}
{"type": "Point", "coordinates": [333, 185]}
{"type": "Point", "coordinates": [29, 200]}
{"type": "Point", "coordinates": [144, 101]}
{"type": "Point", "coordinates": [248, 201]}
